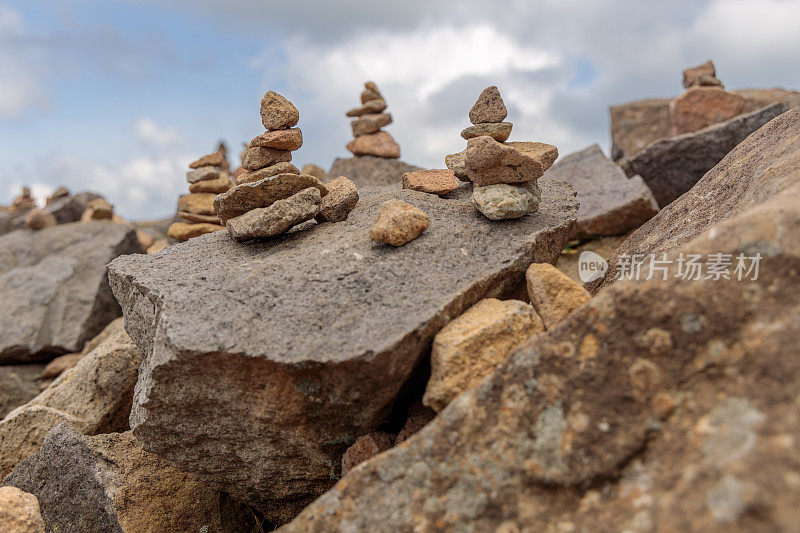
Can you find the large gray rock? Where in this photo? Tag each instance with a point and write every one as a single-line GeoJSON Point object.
{"type": "Point", "coordinates": [368, 170]}
{"type": "Point", "coordinates": [611, 203]}
{"type": "Point", "coordinates": [107, 483]}
{"type": "Point", "coordinates": [660, 405]}
{"type": "Point", "coordinates": [670, 167]}
{"type": "Point", "coordinates": [18, 384]}
{"type": "Point", "coordinates": [94, 397]}
{"type": "Point", "coordinates": [65, 209]}
{"type": "Point", "coordinates": [264, 361]}
{"type": "Point", "coordinates": [53, 287]}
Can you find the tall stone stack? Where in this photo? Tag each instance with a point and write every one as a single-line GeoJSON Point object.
{"type": "Point", "coordinates": [705, 101]}
{"type": "Point", "coordinates": [503, 174]}
{"type": "Point", "coordinates": [208, 177]}
{"type": "Point", "coordinates": [368, 137]}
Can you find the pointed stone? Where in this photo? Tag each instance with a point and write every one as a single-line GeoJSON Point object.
{"type": "Point", "coordinates": [489, 107]}
{"type": "Point", "coordinates": [278, 113]}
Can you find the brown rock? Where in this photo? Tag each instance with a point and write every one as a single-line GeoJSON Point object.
{"type": "Point", "coordinates": [472, 345]}
{"type": "Point", "coordinates": [278, 113]}
{"type": "Point", "coordinates": [314, 170]}
{"type": "Point", "coordinates": [371, 107]}
{"type": "Point", "coordinates": [342, 198]}
{"type": "Point", "coordinates": [290, 139]}
{"type": "Point", "coordinates": [398, 223]}
{"type": "Point", "coordinates": [456, 163]}
{"type": "Point", "coordinates": [700, 107]}
{"type": "Point", "coordinates": [183, 231]}
{"type": "Point", "coordinates": [61, 192]}
{"type": "Point", "coordinates": [98, 209]}
{"type": "Point", "coordinates": [370, 123]}
{"type": "Point", "coordinates": [203, 173]}
{"type": "Point", "coordinates": [243, 198]}
{"type": "Point", "coordinates": [636, 124]}
{"type": "Point", "coordinates": [272, 170]}
{"type": "Point", "coordinates": [157, 246]}
{"type": "Point", "coordinates": [199, 203]}
{"type": "Point", "coordinates": [61, 364]}
{"type": "Point", "coordinates": [489, 162]}
{"type": "Point", "coordinates": [365, 447]}
{"type": "Point", "coordinates": [553, 294]}
{"type": "Point", "coordinates": [704, 75]}
{"type": "Point", "coordinates": [499, 131]}
{"type": "Point", "coordinates": [145, 239]}
{"type": "Point", "coordinates": [281, 215]}
{"type": "Point", "coordinates": [417, 418]}
{"type": "Point", "coordinates": [437, 181]}
{"type": "Point", "coordinates": [216, 186]}
{"type": "Point", "coordinates": [489, 107]}
{"type": "Point", "coordinates": [370, 93]}
{"type": "Point", "coordinates": [217, 159]}
{"type": "Point", "coordinates": [193, 217]}
{"type": "Point", "coordinates": [24, 200]}
{"type": "Point", "coordinates": [39, 219]}
{"type": "Point", "coordinates": [19, 512]}
{"type": "Point", "coordinates": [260, 157]}
{"type": "Point", "coordinates": [379, 144]}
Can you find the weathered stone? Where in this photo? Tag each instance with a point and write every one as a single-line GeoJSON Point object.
{"type": "Point", "coordinates": [436, 181]}
{"type": "Point", "coordinates": [370, 123]}
{"type": "Point", "coordinates": [700, 107]}
{"type": "Point", "coordinates": [277, 218]}
{"type": "Point", "coordinates": [758, 98]}
{"type": "Point", "coordinates": [658, 406]}
{"type": "Point", "coordinates": [489, 107]}
{"type": "Point", "coordinates": [503, 201]}
{"type": "Point", "coordinates": [553, 294]}
{"type": "Point", "coordinates": [19, 511]}
{"type": "Point", "coordinates": [611, 203]}
{"type": "Point", "coordinates": [701, 75]}
{"type": "Point", "coordinates": [313, 170]}
{"type": "Point", "coordinates": [248, 196]}
{"type": "Point", "coordinates": [398, 223]}
{"type": "Point", "coordinates": [215, 186]}
{"type": "Point", "coordinates": [471, 346]}
{"type": "Point", "coordinates": [637, 124]}
{"type": "Point", "coordinates": [183, 231]}
{"type": "Point", "coordinates": [417, 418]}
{"type": "Point", "coordinates": [60, 364]}
{"type": "Point", "coordinates": [764, 164]}
{"type": "Point", "coordinates": [342, 198]}
{"type": "Point", "coordinates": [115, 486]}
{"type": "Point", "coordinates": [369, 94]}
{"type": "Point", "coordinates": [61, 192]}
{"type": "Point", "coordinates": [192, 217]}
{"type": "Point", "coordinates": [499, 131]}
{"type": "Point", "coordinates": [365, 447]}
{"type": "Point", "coordinates": [18, 385]}
{"type": "Point", "coordinates": [456, 163]}
{"type": "Point", "coordinates": [94, 397]}
{"type": "Point", "coordinates": [278, 113]}
{"type": "Point", "coordinates": [157, 246]}
{"type": "Point", "coordinates": [203, 173]}
{"type": "Point", "coordinates": [320, 385]}
{"type": "Point", "coordinates": [272, 170]}
{"type": "Point", "coordinates": [380, 144]}
{"type": "Point", "coordinates": [53, 287]}
{"type": "Point", "coordinates": [369, 170]}
{"type": "Point", "coordinates": [259, 157]}
{"type": "Point", "coordinates": [368, 108]}
{"type": "Point", "coordinates": [37, 219]}
{"type": "Point", "coordinates": [671, 167]}
{"type": "Point", "coordinates": [489, 162]}
{"type": "Point", "coordinates": [291, 139]}
{"type": "Point", "coordinates": [98, 209]}
{"type": "Point", "coordinates": [199, 203]}
{"type": "Point", "coordinates": [217, 159]}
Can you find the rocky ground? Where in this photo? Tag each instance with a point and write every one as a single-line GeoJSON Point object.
{"type": "Point", "coordinates": [396, 349]}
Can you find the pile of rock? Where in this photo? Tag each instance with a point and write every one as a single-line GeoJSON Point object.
{"type": "Point", "coordinates": [368, 138]}
{"type": "Point", "coordinates": [208, 177]}
{"type": "Point", "coordinates": [705, 101]}
{"type": "Point", "coordinates": [504, 174]}
{"type": "Point", "coordinates": [24, 200]}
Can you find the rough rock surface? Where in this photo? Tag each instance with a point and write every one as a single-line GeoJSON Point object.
{"type": "Point", "coordinates": [94, 397]}
{"type": "Point", "coordinates": [291, 139]}
{"type": "Point", "coordinates": [39, 219]}
{"type": "Point", "coordinates": [457, 164]}
{"type": "Point", "coordinates": [202, 174]}
{"type": "Point", "coordinates": [189, 230]}
{"type": "Point", "coordinates": [489, 162]}
{"type": "Point", "coordinates": [398, 223]}
{"type": "Point", "coordinates": [365, 447]}
{"type": "Point", "coordinates": [108, 483]}
{"type": "Point", "coordinates": [553, 294]}
{"type": "Point", "coordinates": [336, 376]}
{"type": "Point", "coordinates": [702, 75]}
{"type": "Point", "coordinates": [217, 159]}
{"type": "Point", "coordinates": [258, 194]}
{"type": "Point", "coordinates": [260, 157]}
{"type": "Point", "coordinates": [19, 511]}
{"type": "Point", "coordinates": [435, 181]}
{"type": "Point", "coordinates": [199, 203]}
{"type": "Point", "coordinates": [499, 131]}
{"type": "Point", "coordinates": [278, 113]}
{"type": "Point", "coordinates": [370, 123]}
{"type": "Point", "coordinates": [611, 203]}
{"type": "Point", "coordinates": [489, 107]}
{"type": "Point", "coordinates": [272, 170]}
{"type": "Point", "coordinates": [471, 346]}
{"type": "Point", "coordinates": [686, 422]}
{"type": "Point", "coordinates": [53, 287]}
{"type": "Point", "coordinates": [18, 385]}
{"type": "Point", "coordinates": [59, 365]}
{"type": "Point", "coordinates": [700, 107]}
{"type": "Point", "coordinates": [216, 186]}
{"type": "Point", "coordinates": [368, 170]}
{"type": "Point", "coordinates": [767, 162]}
{"type": "Point", "coordinates": [278, 217]}
{"type": "Point", "coordinates": [378, 144]}
{"type": "Point", "coordinates": [65, 209]}
{"type": "Point", "coordinates": [671, 167]}
{"type": "Point", "coordinates": [342, 198]}
{"type": "Point", "coordinates": [503, 201]}
{"type": "Point", "coordinates": [636, 124]}
{"type": "Point", "coordinates": [313, 170]}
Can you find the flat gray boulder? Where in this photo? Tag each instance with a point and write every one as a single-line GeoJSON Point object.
{"type": "Point", "coordinates": [265, 360]}
{"type": "Point", "coordinates": [366, 170]}
{"type": "Point", "coordinates": [670, 167]}
{"type": "Point", "coordinates": [53, 287]}
{"type": "Point", "coordinates": [611, 203]}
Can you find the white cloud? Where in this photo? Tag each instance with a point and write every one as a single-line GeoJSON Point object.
{"type": "Point", "coordinates": [150, 132]}
{"type": "Point", "coordinates": [20, 71]}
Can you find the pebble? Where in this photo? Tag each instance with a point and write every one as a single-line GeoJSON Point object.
{"type": "Point", "coordinates": [553, 293]}
{"type": "Point", "coordinates": [436, 181]}
{"type": "Point", "coordinates": [289, 139]}
{"type": "Point", "coordinates": [503, 201]}
{"type": "Point", "coordinates": [260, 157]}
{"type": "Point", "coordinates": [398, 223]}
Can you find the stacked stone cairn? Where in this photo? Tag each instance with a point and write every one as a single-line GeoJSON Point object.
{"type": "Point", "coordinates": [705, 102]}
{"type": "Point", "coordinates": [24, 200]}
{"type": "Point", "coordinates": [503, 174]}
{"type": "Point", "coordinates": [209, 176]}
{"type": "Point", "coordinates": [368, 137]}
{"type": "Point", "coordinates": [271, 196]}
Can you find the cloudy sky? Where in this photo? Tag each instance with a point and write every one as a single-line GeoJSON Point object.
{"type": "Point", "coordinates": [118, 96]}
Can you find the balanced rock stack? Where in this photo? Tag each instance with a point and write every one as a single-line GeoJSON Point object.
{"type": "Point", "coordinates": [705, 101]}
{"type": "Point", "coordinates": [369, 139]}
{"type": "Point", "coordinates": [272, 196]}
{"type": "Point", "coordinates": [24, 200]}
{"type": "Point", "coordinates": [208, 177]}
{"type": "Point", "coordinates": [503, 174]}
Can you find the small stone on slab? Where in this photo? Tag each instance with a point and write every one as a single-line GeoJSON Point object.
{"type": "Point", "coordinates": [278, 113]}
{"type": "Point", "coordinates": [489, 162]}
{"type": "Point", "coordinates": [398, 223]}
{"type": "Point", "coordinates": [489, 107]}
{"type": "Point", "coordinates": [436, 181]}
{"type": "Point", "coordinates": [277, 218]}
{"type": "Point", "coordinates": [456, 163]}
{"type": "Point", "coordinates": [702, 75]}
{"type": "Point", "coordinates": [342, 197]}
{"type": "Point", "coordinates": [503, 201]}
{"type": "Point", "coordinates": [248, 196]}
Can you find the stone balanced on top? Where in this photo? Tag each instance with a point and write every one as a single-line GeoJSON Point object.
{"type": "Point", "coordinates": [503, 174]}
{"type": "Point", "coordinates": [209, 176]}
{"type": "Point", "coordinates": [369, 139]}
{"type": "Point", "coordinates": [705, 102]}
